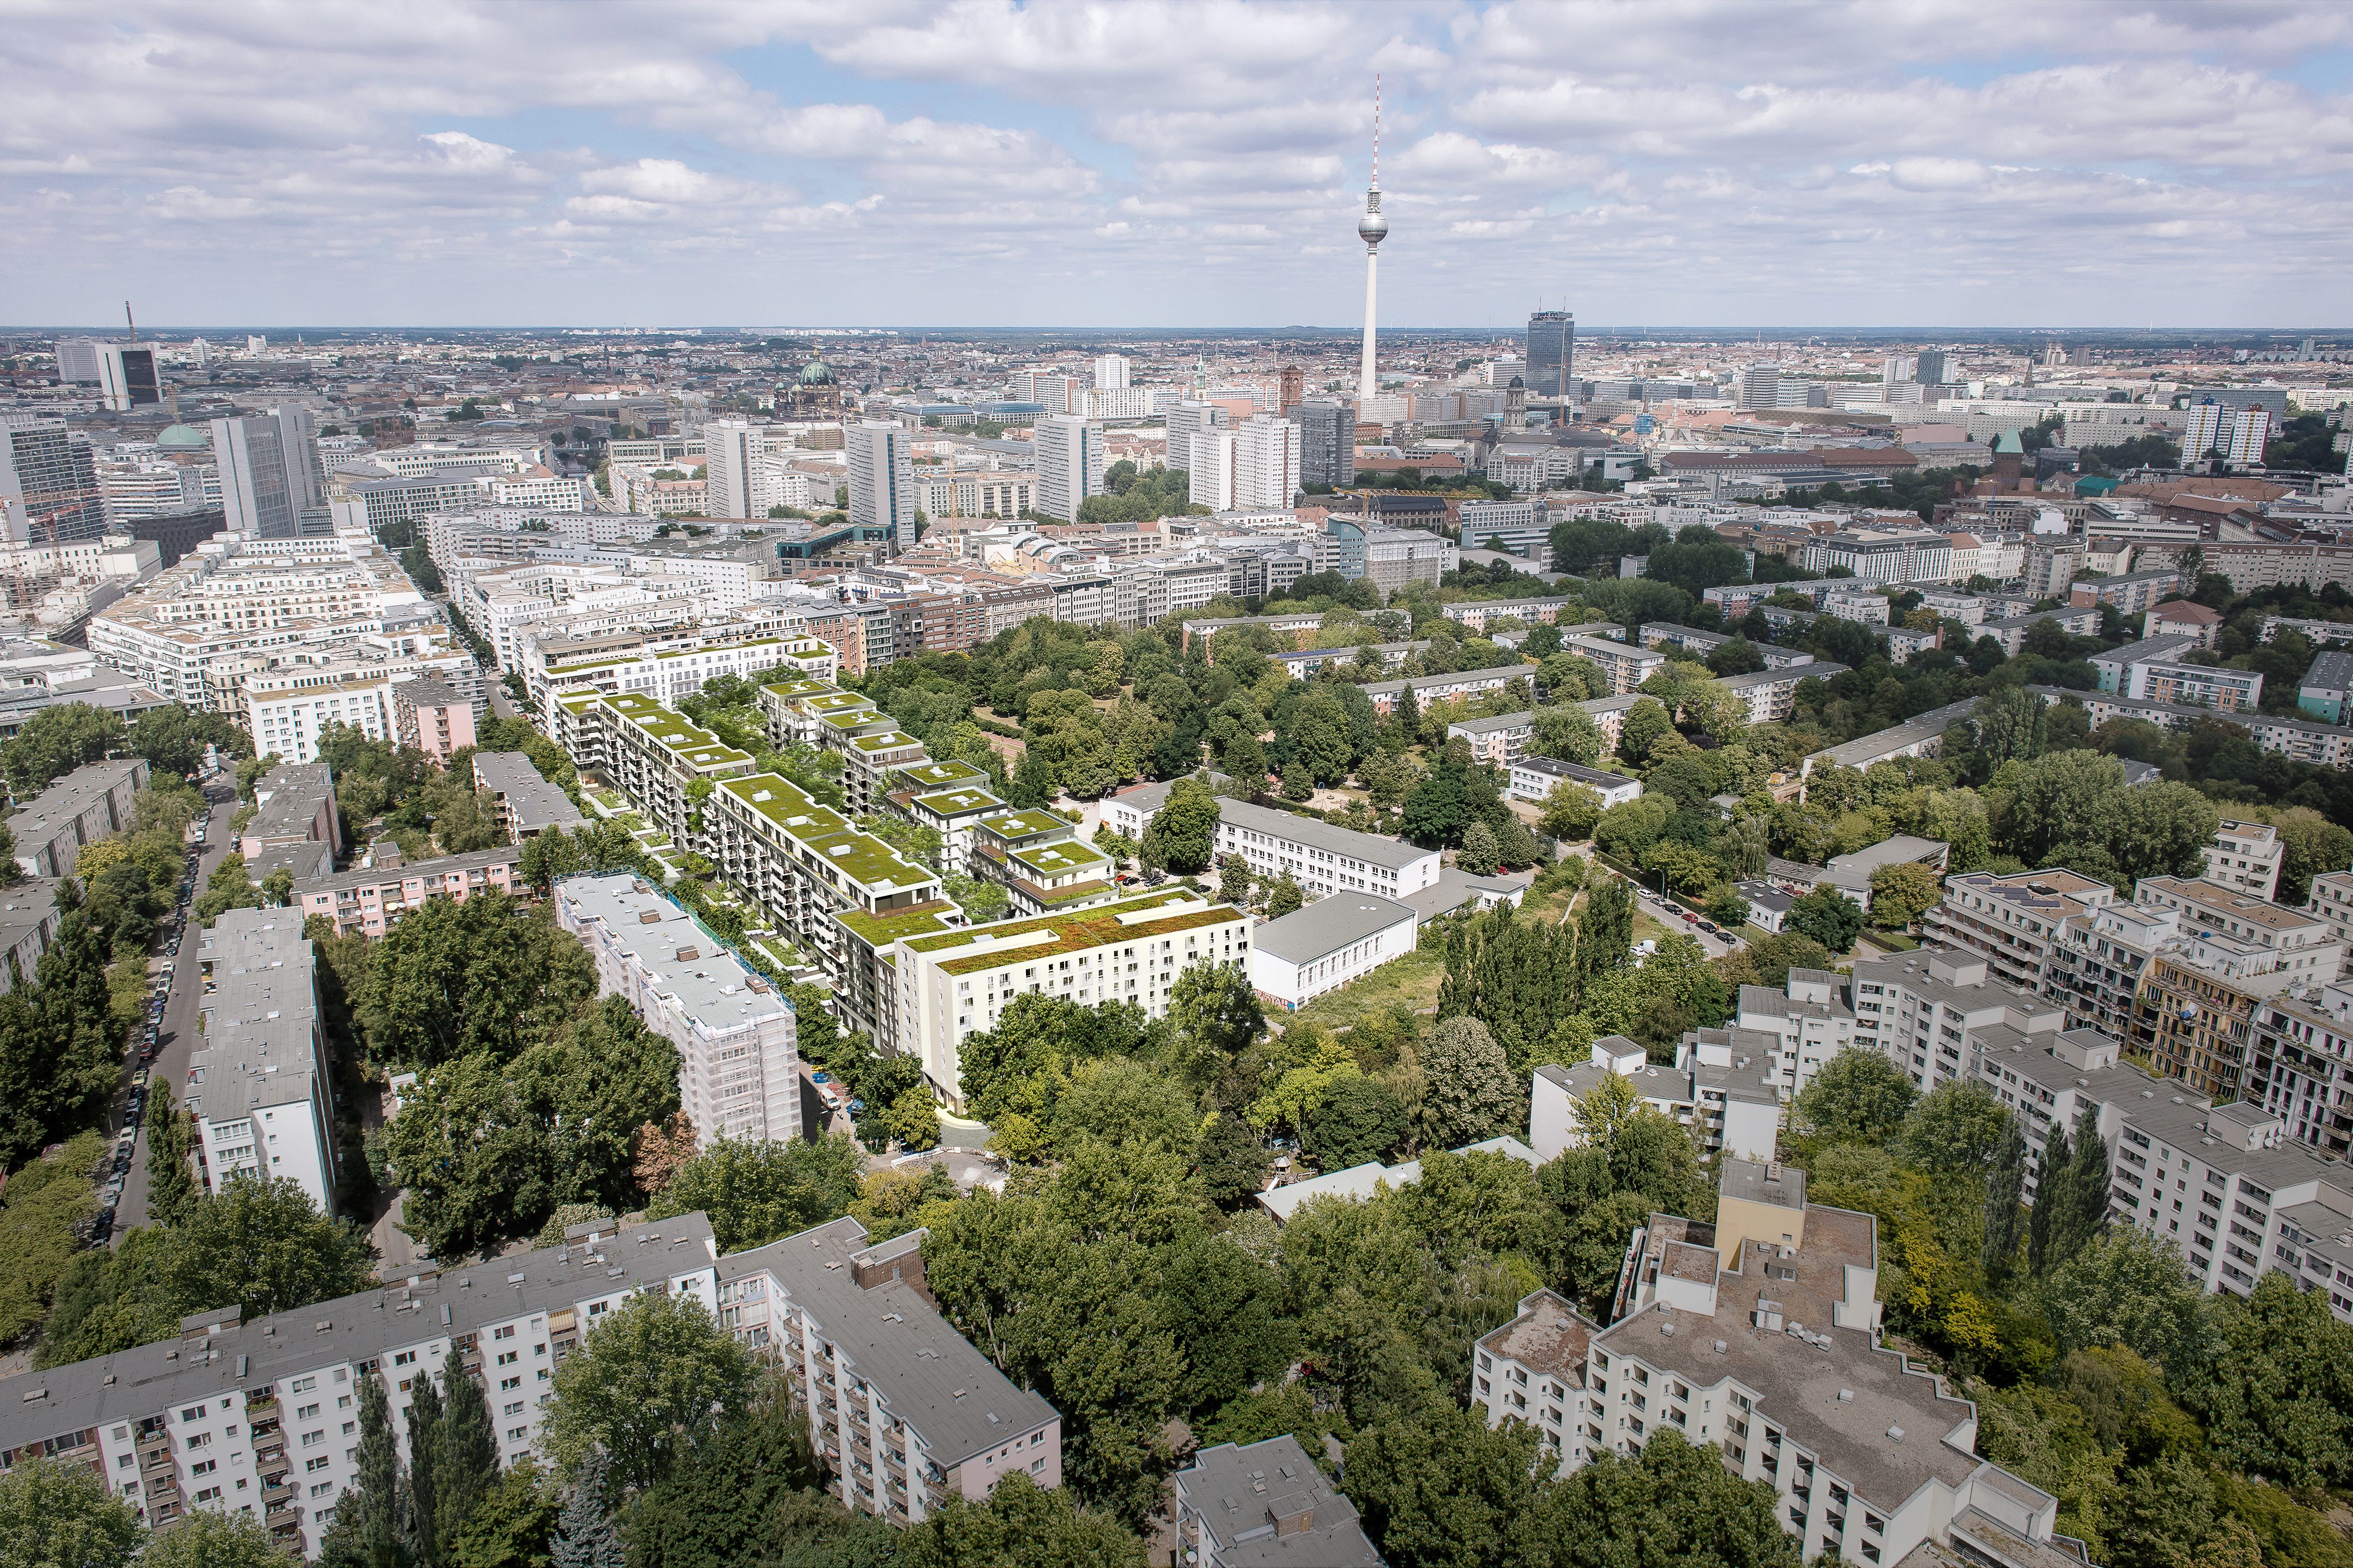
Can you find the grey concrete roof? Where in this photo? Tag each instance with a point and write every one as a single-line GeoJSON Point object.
{"type": "Point", "coordinates": [305, 862]}
{"type": "Point", "coordinates": [1370, 847]}
{"type": "Point", "coordinates": [399, 870]}
{"type": "Point", "coordinates": [260, 1017]}
{"type": "Point", "coordinates": [710, 985]}
{"type": "Point", "coordinates": [1422, 682]}
{"type": "Point", "coordinates": [1890, 851]}
{"type": "Point", "coordinates": [1358, 1182]}
{"type": "Point", "coordinates": [1783, 1187]}
{"type": "Point", "coordinates": [929, 1374]}
{"type": "Point", "coordinates": [25, 907]}
{"type": "Point", "coordinates": [1600, 778]}
{"type": "Point", "coordinates": [532, 802]}
{"type": "Point", "coordinates": [2332, 670]}
{"type": "Point", "coordinates": [1327, 925]}
{"type": "Point", "coordinates": [295, 791]}
{"type": "Point", "coordinates": [1863, 749]}
{"type": "Point", "coordinates": [1550, 1335]}
{"type": "Point", "coordinates": [1249, 1498]}
{"type": "Point", "coordinates": [416, 1305]}
{"type": "Point", "coordinates": [1455, 888]}
{"type": "Point", "coordinates": [42, 817]}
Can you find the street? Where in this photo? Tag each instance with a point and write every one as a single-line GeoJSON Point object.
{"type": "Point", "coordinates": [178, 1035]}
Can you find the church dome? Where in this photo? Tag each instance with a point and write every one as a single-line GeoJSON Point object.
{"type": "Point", "coordinates": [184, 438]}
{"type": "Point", "coordinates": [817, 374]}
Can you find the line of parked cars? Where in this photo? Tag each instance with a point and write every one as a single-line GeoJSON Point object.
{"type": "Point", "coordinates": [134, 1108]}
{"type": "Point", "coordinates": [1672, 909]}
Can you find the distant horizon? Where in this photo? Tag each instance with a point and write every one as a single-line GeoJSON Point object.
{"type": "Point", "coordinates": [1585, 330]}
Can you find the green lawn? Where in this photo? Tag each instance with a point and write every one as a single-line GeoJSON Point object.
{"type": "Point", "coordinates": [1411, 982]}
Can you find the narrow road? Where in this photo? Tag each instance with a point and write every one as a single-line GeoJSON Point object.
{"type": "Point", "coordinates": [178, 1035]}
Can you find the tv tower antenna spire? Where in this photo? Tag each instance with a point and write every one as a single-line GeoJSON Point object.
{"type": "Point", "coordinates": [1372, 229]}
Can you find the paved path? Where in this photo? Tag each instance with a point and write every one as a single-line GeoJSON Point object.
{"type": "Point", "coordinates": [178, 1035]}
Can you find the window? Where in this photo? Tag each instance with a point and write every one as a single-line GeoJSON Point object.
{"type": "Point", "coordinates": [320, 1463]}
{"type": "Point", "coordinates": [303, 1385]}
{"type": "Point", "coordinates": [313, 1439]}
{"type": "Point", "coordinates": [306, 1413]}
{"type": "Point", "coordinates": [204, 1466]}
{"type": "Point", "coordinates": [507, 1382]}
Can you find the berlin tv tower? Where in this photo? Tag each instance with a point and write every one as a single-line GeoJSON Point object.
{"type": "Point", "coordinates": [1372, 229]}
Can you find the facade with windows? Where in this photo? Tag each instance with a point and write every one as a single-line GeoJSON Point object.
{"type": "Point", "coordinates": [261, 1418]}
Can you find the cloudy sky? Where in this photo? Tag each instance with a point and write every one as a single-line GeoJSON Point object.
{"type": "Point", "coordinates": [1144, 162]}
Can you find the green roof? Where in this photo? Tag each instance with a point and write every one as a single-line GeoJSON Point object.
{"type": "Point", "coordinates": [699, 748]}
{"type": "Point", "coordinates": [1024, 824]}
{"type": "Point", "coordinates": [2008, 441]}
{"type": "Point", "coordinates": [1074, 931]}
{"type": "Point", "coordinates": [884, 742]}
{"type": "Point", "coordinates": [797, 689]}
{"type": "Point", "coordinates": [861, 856]}
{"type": "Point", "coordinates": [938, 774]}
{"type": "Point", "coordinates": [955, 802]}
{"type": "Point", "coordinates": [881, 931]}
{"type": "Point", "coordinates": [1059, 859]}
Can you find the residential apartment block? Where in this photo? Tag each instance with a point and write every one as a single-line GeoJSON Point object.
{"type": "Point", "coordinates": [261, 1418]}
{"type": "Point", "coordinates": [1626, 667]}
{"type": "Point", "coordinates": [902, 1411]}
{"type": "Point", "coordinates": [1720, 1085]}
{"type": "Point", "coordinates": [1460, 686]}
{"type": "Point", "coordinates": [1262, 1505]}
{"type": "Point", "coordinates": [1757, 1337]}
{"type": "Point", "coordinates": [366, 900]}
{"type": "Point", "coordinates": [521, 804]}
{"type": "Point", "coordinates": [2245, 857]}
{"type": "Point", "coordinates": [954, 982]}
{"type": "Point", "coordinates": [1322, 858]}
{"type": "Point", "coordinates": [91, 803]}
{"type": "Point", "coordinates": [258, 1088]}
{"type": "Point", "coordinates": [1324, 945]}
{"type": "Point", "coordinates": [2013, 921]}
{"type": "Point", "coordinates": [739, 1070]}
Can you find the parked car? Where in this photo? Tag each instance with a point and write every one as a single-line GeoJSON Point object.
{"type": "Point", "coordinates": [139, 1078]}
{"type": "Point", "coordinates": [820, 1077]}
{"type": "Point", "coordinates": [1709, 926]}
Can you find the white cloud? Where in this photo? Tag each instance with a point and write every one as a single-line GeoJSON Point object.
{"type": "Point", "coordinates": [1157, 160]}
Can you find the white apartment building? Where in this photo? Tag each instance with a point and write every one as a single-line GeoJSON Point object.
{"type": "Point", "coordinates": [2245, 857]}
{"type": "Point", "coordinates": [882, 480]}
{"type": "Point", "coordinates": [734, 450]}
{"type": "Point", "coordinates": [1322, 858]}
{"type": "Point", "coordinates": [286, 710]}
{"type": "Point", "coordinates": [1265, 463]}
{"type": "Point", "coordinates": [1627, 667]}
{"type": "Point", "coordinates": [1324, 945]}
{"type": "Point", "coordinates": [2239, 434]}
{"type": "Point", "coordinates": [1112, 373]}
{"type": "Point", "coordinates": [261, 1418]}
{"type": "Point", "coordinates": [138, 490]}
{"type": "Point", "coordinates": [534, 488]}
{"type": "Point", "coordinates": [1758, 1339]}
{"type": "Point", "coordinates": [1809, 1024]}
{"type": "Point", "coordinates": [237, 606]}
{"type": "Point", "coordinates": [2014, 922]}
{"type": "Point", "coordinates": [739, 1070]}
{"type": "Point", "coordinates": [1926, 1010]}
{"type": "Point", "coordinates": [664, 666]}
{"type": "Point", "coordinates": [902, 1411]}
{"type": "Point", "coordinates": [1071, 464]}
{"type": "Point", "coordinates": [2331, 902]}
{"type": "Point", "coordinates": [952, 984]}
{"type": "Point", "coordinates": [1120, 402]}
{"type": "Point", "coordinates": [1720, 1086]}
{"type": "Point", "coordinates": [258, 1086]}
{"type": "Point", "coordinates": [1211, 464]}
{"type": "Point", "coordinates": [1908, 555]}
{"type": "Point", "coordinates": [975, 492]}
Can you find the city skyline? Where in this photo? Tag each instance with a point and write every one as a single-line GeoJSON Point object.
{"type": "Point", "coordinates": [1171, 167]}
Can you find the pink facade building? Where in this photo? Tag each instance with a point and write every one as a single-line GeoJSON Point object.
{"type": "Point", "coordinates": [433, 718]}
{"type": "Point", "coordinates": [366, 900]}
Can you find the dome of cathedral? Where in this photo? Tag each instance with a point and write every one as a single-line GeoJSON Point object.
{"type": "Point", "coordinates": [184, 438]}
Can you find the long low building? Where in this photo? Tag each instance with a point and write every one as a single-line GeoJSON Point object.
{"type": "Point", "coordinates": [1454, 688]}
{"type": "Point", "coordinates": [258, 1086]}
{"type": "Point", "coordinates": [256, 1417]}
{"type": "Point", "coordinates": [366, 900]}
{"type": "Point", "coordinates": [91, 803]}
{"type": "Point", "coordinates": [1535, 778]}
{"type": "Point", "coordinates": [1322, 858]}
{"type": "Point", "coordinates": [1328, 943]}
{"type": "Point", "coordinates": [1920, 737]}
{"type": "Point", "coordinates": [2299, 740]}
